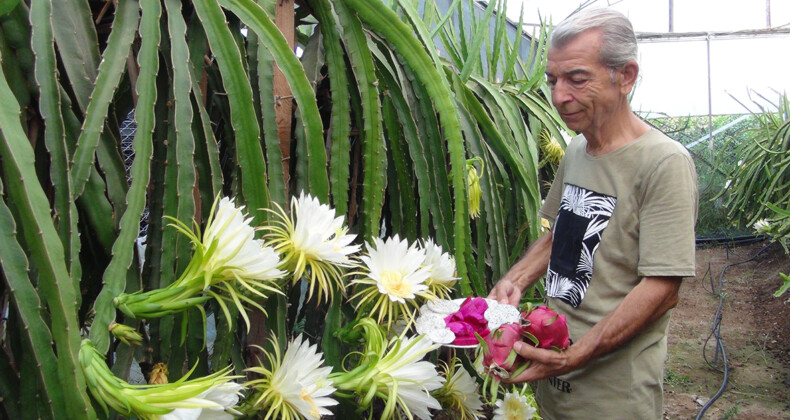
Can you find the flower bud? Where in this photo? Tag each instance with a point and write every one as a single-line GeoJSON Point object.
{"type": "Point", "coordinates": [126, 334]}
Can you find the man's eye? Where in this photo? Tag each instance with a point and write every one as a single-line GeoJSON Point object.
{"type": "Point", "coordinates": [578, 81]}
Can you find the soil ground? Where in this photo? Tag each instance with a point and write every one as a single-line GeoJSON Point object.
{"type": "Point", "coordinates": [754, 327]}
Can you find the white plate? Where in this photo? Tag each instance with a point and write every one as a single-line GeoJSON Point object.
{"type": "Point", "coordinates": [432, 314]}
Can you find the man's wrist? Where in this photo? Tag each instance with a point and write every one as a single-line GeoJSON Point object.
{"type": "Point", "coordinates": [514, 281]}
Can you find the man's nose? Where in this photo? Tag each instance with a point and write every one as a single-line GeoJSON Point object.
{"type": "Point", "coordinates": [560, 93]}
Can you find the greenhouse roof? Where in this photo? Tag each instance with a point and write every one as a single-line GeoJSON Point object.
{"type": "Point", "coordinates": [695, 54]}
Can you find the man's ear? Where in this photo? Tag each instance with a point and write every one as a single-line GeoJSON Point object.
{"type": "Point", "coordinates": [627, 76]}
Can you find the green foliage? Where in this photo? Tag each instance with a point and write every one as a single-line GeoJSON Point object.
{"type": "Point", "coordinates": [761, 179]}
{"type": "Point", "coordinates": [784, 287]}
{"type": "Point", "coordinates": [674, 379]}
{"type": "Point", "coordinates": [743, 174]}
{"type": "Point", "coordinates": [713, 162]}
{"type": "Point", "coordinates": [382, 130]}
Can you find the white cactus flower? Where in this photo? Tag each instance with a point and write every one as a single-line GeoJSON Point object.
{"type": "Point", "coordinates": [441, 264]}
{"type": "Point", "coordinates": [313, 240]}
{"type": "Point", "coordinates": [295, 385]}
{"type": "Point", "coordinates": [392, 278]}
{"type": "Point", "coordinates": [514, 407]}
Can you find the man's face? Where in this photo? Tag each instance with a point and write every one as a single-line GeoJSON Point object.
{"type": "Point", "coordinates": [582, 88]}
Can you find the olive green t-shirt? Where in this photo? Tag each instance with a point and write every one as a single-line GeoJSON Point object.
{"type": "Point", "coordinates": [616, 218]}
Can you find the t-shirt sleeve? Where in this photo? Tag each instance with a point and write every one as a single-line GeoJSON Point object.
{"type": "Point", "coordinates": [667, 217]}
{"type": "Point", "coordinates": [551, 204]}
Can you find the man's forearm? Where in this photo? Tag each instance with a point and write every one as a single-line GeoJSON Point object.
{"type": "Point", "coordinates": [532, 265]}
{"type": "Point", "coordinates": [643, 306]}
{"type": "Point", "coordinates": [646, 303]}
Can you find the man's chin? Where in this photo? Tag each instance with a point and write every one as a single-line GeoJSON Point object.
{"type": "Point", "coordinates": [573, 125]}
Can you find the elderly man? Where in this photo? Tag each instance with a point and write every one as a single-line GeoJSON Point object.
{"type": "Point", "coordinates": [623, 206]}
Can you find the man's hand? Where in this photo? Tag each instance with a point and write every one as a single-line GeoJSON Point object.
{"type": "Point", "coordinates": [507, 292]}
{"type": "Point", "coordinates": [643, 306]}
{"type": "Point", "coordinates": [544, 363]}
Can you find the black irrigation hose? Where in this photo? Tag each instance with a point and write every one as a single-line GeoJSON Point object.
{"type": "Point", "coordinates": [716, 331]}
{"type": "Point", "coordinates": [731, 240]}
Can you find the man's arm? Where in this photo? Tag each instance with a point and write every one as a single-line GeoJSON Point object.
{"type": "Point", "coordinates": [645, 304]}
{"type": "Point", "coordinates": [524, 273]}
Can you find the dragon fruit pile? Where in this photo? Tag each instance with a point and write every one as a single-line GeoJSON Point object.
{"type": "Point", "coordinates": [539, 326]}
{"type": "Point", "coordinates": [468, 320]}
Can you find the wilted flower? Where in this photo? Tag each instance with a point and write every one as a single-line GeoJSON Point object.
{"type": "Point", "coordinates": [126, 334]}
{"type": "Point", "coordinates": [158, 374]}
{"type": "Point", "coordinates": [215, 394]}
{"type": "Point", "coordinates": [441, 266]}
{"type": "Point", "coordinates": [396, 373]}
{"type": "Point", "coordinates": [295, 385]}
{"type": "Point", "coordinates": [545, 226]}
{"type": "Point", "coordinates": [227, 263]}
{"type": "Point", "coordinates": [391, 279]}
{"type": "Point", "coordinates": [459, 392]}
{"type": "Point", "coordinates": [516, 406]}
{"type": "Point", "coordinates": [473, 187]}
{"type": "Point", "coordinates": [312, 240]}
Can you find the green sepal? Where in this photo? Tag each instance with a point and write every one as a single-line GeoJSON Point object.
{"type": "Point", "coordinates": [511, 358]}
{"type": "Point", "coordinates": [526, 308]}
{"type": "Point", "coordinates": [483, 343]}
{"type": "Point", "coordinates": [530, 337]}
{"type": "Point", "coordinates": [521, 368]}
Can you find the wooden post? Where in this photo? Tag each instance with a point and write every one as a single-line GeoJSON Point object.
{"type": "Point", "coordinates": [283, 98]}
{"type": "Point", "coordinates": [283, 107]}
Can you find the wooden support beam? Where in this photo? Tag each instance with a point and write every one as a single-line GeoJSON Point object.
{"type": "Point", "coordinates": [283, 106]}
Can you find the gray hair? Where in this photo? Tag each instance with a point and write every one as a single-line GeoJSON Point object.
{"type": "Point", "coordinates": [619, 41]}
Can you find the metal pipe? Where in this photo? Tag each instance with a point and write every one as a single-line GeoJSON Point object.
{"type": "Point", "coordinates": [710, 103]}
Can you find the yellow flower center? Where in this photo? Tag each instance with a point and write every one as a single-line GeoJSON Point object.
{"type": "Point", "coordinates": [308, 398]}
{"type": "Point", "coordinates": [513, 409]}
{"type": "Point", "coordinates": [394, 284]}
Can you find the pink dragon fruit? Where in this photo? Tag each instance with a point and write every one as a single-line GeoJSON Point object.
{"type": "Point", "coordinates": [539, 327]}
{"type": "Point", "coordinates": [548, 328]}
{"type": "Point", "coordinates": [498, 354]}
{"type": "Point", "coordinates": [468, 320]}
{"type": "Point", "coordinates": [499, 359]}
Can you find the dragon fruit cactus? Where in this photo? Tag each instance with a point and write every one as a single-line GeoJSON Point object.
{"type": "Point", "coordinates": [545, 328]}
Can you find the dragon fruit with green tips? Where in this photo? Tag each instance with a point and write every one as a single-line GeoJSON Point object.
{"type": "Point", "coordinates": [538, 326]}
{"type": "Point", "coordinates": [549, 328]}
